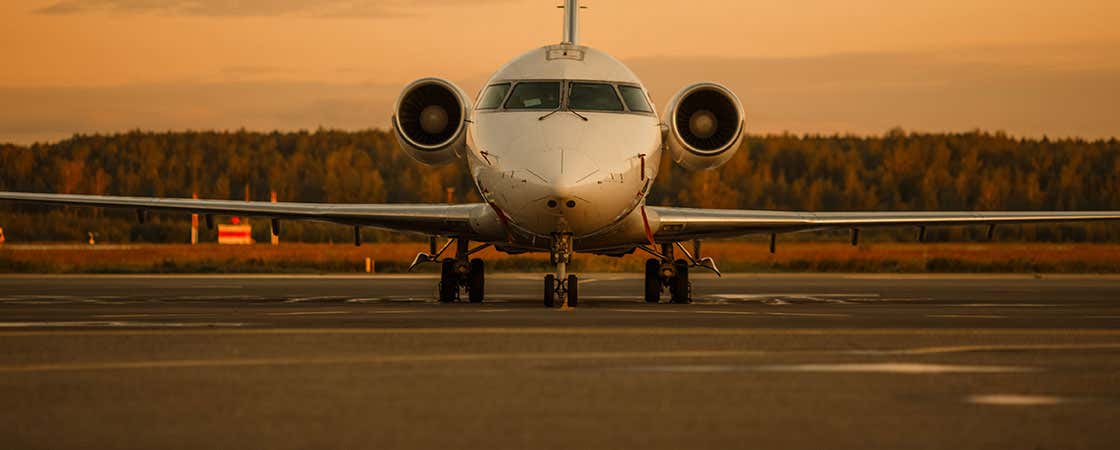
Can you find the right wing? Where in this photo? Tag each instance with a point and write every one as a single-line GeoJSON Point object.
{"type": "Point", "coordinates": [450, 220]}
{"type": "Point", "coordinates": [682, 224]}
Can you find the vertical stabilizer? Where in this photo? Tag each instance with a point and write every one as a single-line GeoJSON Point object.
{"type": "Point", "coordinates": [571, 21]}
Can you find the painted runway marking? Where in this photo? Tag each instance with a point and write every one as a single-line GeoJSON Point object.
{"type": "Point", "coordinates": [131, 316]}
{"type": "Point", "coordinates": [768, 313]}
{"type": "Point", "coordinates": [371, 359]}
{"type": "Point", "coordinates": [1015, 400]}
{"type": "Point", "coordinates": [887, 367]}
{"type": "Point", "coordinates": [595, 331]}
{"type": "Point", "coordinates": [115, 324]}
{"type": "Point", "coordinates": [307, 313]}
{"type": "Point", "coordinates": [365, 300]}
{"type": "Point", "coordinates": [965, 316]}
{"type": "Point", "coordinates": [893, 367]}
{"type": "Point", "coordinates": [989, 348]}
{"type": "Point", "coordinates": [314, 299]}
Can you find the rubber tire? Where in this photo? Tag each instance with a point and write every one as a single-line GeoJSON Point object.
{"type": "Point", "coordinates": [573, 291]}
{"type": "Point", "coordinates": [549, 291]}
{"type": "Point", "coordinates": [448, 283]}
{"type": "Point", "coordinates": [477, 287]}
{"type": "Point", "coordinates": [678, 286]}
{"type": "Point", "coordinates": [653, 280]}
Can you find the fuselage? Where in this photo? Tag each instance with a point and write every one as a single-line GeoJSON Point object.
{"type": "Point", "coordinates": [564, 139]}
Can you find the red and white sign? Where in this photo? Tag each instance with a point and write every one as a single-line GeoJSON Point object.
{"type": "Point", "coordinates": [235, 234]}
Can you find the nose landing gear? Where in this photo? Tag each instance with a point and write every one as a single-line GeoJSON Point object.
{"type": "Point", "coordinates": [561, 286]}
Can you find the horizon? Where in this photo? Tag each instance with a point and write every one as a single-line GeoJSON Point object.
{"type": "Point", "coordinates": [810, 67]}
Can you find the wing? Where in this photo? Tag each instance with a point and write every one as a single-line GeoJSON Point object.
{"type": "Point", "coordinates": [421, 218]}
{"type": "Point", "coordinates": [679, 224]}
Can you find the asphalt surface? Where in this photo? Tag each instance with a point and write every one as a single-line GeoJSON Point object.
{"type": "Point", "coordinates": [775, 361]}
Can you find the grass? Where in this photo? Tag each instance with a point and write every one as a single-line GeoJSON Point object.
{"type": "Point", "coordinates": [732, 256]}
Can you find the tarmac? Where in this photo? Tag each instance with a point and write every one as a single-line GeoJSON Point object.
{"type": "Point", "coordinates": [757, 361]}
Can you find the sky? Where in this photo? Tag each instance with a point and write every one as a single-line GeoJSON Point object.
{"type": "Point", "coordinates": [1026, 67]}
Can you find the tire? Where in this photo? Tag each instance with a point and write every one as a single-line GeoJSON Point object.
{"type": "Point", "coordinates": [549, 291]}
{"type": "Point", "coordinates": [448, 283]}
{"type": "Point", "coordinates": [653, 280]}
{"type": "Point", "coordinates": [477, 286]}
{"type": "Point", "coordinates": [573, 290]}
{"type": "Point", "coordinates": [678, 286]}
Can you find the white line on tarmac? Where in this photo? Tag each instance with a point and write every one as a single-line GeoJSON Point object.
{"type": "Point", "coordinates": [371, 359]}
{"type": "Point", "coordinates": [990, 348]}
{"type": "Point", "coordinates": [587, 331]}
{"type": "Point", "coordinates": [313, 299]}
{"type": "Point", "coordinates": [131, 316]}
{"type": "Point", "coordinates": [893, 367]}
{"type": "Point", "coordinates": [307, 313]}
{"type": "Point", "coordinates": [1015, 400]}
{"type": "Point", "coordinates": [767, 313]}
{"type": "Point", "coordinates": [116, 324]}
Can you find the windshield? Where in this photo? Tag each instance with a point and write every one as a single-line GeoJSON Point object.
{"type": "Point", "coordinates": [593, 97]}
{"type": "Point", "coordinates": [493, 95]}
{"type": "Point", "coordinates": [635, 99]}
{"type": "Point", "coordinates": [535, 95]}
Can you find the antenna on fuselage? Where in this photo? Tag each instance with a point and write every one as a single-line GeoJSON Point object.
{"type": "Point", "coordinates": [571, 21]}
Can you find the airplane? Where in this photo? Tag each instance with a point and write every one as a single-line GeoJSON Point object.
{"type": "Point", "coordinates": [563, 144]}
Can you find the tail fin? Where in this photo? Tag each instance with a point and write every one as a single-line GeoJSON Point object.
{"type": "Point", "coordinates": [571, 21]}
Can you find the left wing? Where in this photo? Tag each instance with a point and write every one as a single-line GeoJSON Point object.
{"type": "Point", "coordinates": [421, 218]}
{"type": "Point", "coordinates": [681, 224]}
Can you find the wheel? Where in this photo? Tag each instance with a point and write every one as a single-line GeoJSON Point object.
{"type": "Point", "coordinates": [678, 286]}
{"type": "Point", "coordinates": [653, 280]}
{"type": "Point", "coordinates": [549, 290]}
{"type": "Point", "coordinates": [448, 283]}
{"type": "Point", "coordinates": [573, 290]}
{"type": "Point", "coordinates": [478, 281]}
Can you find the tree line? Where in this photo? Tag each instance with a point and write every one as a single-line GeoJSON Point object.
{"type": "Point", "coordinates": [895, 171]}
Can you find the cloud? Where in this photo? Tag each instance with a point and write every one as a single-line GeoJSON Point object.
{"type": "Point", "coordinates": [245, 8]}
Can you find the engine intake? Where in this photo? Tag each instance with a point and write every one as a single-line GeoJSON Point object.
{"type": "Point", "coordinates": [705, 126]}
{"type": "Point", "coordinates": [429, 118]}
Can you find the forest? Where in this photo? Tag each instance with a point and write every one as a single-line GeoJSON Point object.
{"type": "Point", "coordinates": [899, 170]}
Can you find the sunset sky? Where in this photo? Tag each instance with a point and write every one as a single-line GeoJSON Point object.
{"type": "Point", "coordinates": [1027, 67]}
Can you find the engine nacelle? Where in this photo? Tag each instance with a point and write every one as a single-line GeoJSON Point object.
{"type": "Point", "coordinates": [430, 120]}
{"type": "Point", "coordinates": [705, 123]}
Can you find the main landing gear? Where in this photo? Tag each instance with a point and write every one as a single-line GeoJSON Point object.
{"type": "Point", "coordinates": [458, 273]}
{"type": "Point", "coordinates": [561, 288]}
{"type": "Point", "coordinates": [665, 272]}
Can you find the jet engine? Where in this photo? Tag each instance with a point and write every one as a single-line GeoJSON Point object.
{"type": "Point", "coordinates": [430, 120]}
{"type": "Point", "coordinates": [704, 125]}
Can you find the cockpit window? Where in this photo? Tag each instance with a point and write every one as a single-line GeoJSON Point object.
{"type": "Point", "coordinates": [535, 95]}
{"type": "Point", "coordinates": [493, 95]}
{"type": "Point", "coordinates": [593, 97]}
{"type": "Point", "coordinates": [635, 99]}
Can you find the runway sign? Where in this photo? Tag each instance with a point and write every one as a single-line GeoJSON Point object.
{"type": "Point", "coordinates": [239, 234]}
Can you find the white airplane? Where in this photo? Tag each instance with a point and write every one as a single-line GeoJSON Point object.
{"type": "Point", "coordinates": [563, 144]}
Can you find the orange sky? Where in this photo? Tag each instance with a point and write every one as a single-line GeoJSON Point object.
{"type": "Point", "coordinates": [1027, 67]}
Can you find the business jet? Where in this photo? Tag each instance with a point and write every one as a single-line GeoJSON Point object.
{"type": "Point", "coordinates": [563, 144]}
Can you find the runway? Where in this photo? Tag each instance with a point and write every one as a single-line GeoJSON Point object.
{"type": "Point", "coordinates": [758, 361]}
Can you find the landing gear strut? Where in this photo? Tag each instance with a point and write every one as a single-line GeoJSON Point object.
{"type": "Point", "coordinates": [561, 286]}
